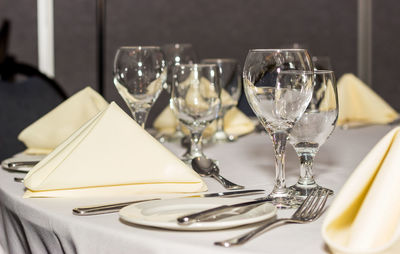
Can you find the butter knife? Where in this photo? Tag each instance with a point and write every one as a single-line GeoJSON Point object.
{"type": "Point", "coordinates": [111, 208]}
{"type": "Point", "coordinates": [219, 212]}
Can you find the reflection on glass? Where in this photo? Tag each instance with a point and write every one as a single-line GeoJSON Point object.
{"type": "Point", "coordinates": [139, 75]}
{"type": "Point", "coordinates": [314, 128]}
{"type": "Point", "coordinates": [195, 100]}
{"type": "Point", "coordinates": [231, 87]}
{"type": "Point", "coordinates": [278, 86]}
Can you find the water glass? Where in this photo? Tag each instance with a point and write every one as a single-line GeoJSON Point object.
{"type": "Point", "coordinates": [278, 86]}
{"type": "Point", "coordinates": [314, 128]}
{"type": "Point", "coordinates": [139, 75]}
{"type": "Point", "coordinates": [195, 100]}
{"type": "Point", "coordinates": [231, 88]}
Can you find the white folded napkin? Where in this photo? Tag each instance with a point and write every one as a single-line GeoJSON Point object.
{"type": "Point", "coordinates": [365, 216]}
{"type": "Point", "coordinates": [360, 105]}
{"type": "Point", "coordinates": [49, 131]}
{"type": "Point", "coordinates": [111, 155]}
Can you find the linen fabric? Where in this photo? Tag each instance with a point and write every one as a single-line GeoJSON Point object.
{"type": "Point", "coordinates": [49, 131]}
{"type": "Point", "coordinates": [360, 105]}
{"type": "Point", "coordinates": [365, 216]}
{"type": "Point", "coordinates": [111, 155]}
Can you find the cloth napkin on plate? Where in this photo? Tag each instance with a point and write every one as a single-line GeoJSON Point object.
{"type": "Point", "coordinates": [365, 216]}
{"type": "Point", "coordinates": [111, 155]}
{"type": "Point", "coordinates": [360, 105]}
{"type": "Point", "coordinates": [45, 134]}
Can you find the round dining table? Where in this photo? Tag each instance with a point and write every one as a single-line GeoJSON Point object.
{"type": "Point", "coordinates": [47, 225]}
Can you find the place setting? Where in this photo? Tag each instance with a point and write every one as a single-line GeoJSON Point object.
{"type": "Point", "coordinates": [91, 149]}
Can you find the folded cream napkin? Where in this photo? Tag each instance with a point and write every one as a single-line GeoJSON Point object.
{"type": "Point", "coordinates": [360, 105]}
{"type": "Point", "coordinates": [110, 155]}
{"type": "Point", "coordinates": [45, 134]}
{"type": "Point", "coordinates": [365, 216]}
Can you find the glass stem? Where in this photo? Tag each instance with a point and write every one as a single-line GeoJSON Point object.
{"type": "Point", "coordinates": [306, 172]}
{"type": "Point", "coordinates": [220, 123]}
{"type": "Point", "coordinates": [196, 148]}
{"type": "Point", "coordinates": [279, 140]}
{"type": "Point", "coordinates": [140, 117]}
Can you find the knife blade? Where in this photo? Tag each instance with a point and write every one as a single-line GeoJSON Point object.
{"type": "Point", "coordinates": [219, 212]}
{"type": "Point", "coordinates": [111, 208]}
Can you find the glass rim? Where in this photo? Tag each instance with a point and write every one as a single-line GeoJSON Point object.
{"type": "Point", "coordinates": [232, 60]}
{"type": "Point", "coordinates": [271, 50]}
{"type": "Point", "coordinates": [177, 43]}
{"type": "Point", "coordinates": [323, 71]}
{"type": "Point", "coordinates": [135, 47]}
{"type": "Point", "coordinates": [195, 65]}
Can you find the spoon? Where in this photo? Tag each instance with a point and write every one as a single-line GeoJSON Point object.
{"type": "Point", "coordinates": [207, 167]}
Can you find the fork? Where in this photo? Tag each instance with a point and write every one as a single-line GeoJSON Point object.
{"type": "Point", "coordinates": [309, 211]}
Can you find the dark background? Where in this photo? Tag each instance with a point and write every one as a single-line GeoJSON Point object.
{"type": "Point", "coordinates": [216, 28]}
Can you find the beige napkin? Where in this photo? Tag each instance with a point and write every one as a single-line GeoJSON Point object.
{"type": "Point", "coordinates": [111, 155]}
{"type": "Point", "coordinates": [45, 134]}
{"type": "Point", "coordinates": [360, 105]}
{"type": "Point", "coordinates": [365, 216]}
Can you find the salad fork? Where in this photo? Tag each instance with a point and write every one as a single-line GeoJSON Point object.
{"type": "Point", "coordinates": [310, 210]}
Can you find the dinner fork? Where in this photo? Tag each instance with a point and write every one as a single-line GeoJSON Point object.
{"type": "Point", "coordinates": [309, 211]}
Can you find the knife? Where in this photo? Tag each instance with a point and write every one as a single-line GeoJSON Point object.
{"type": "Point", "coordinates": [19, 166]}
{"type": "Point", "coordinates": [111, 208]}
{"type": "Point", "coordinates": [221, 212]}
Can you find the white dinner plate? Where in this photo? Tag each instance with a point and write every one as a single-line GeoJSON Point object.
{"type": "Point", "coordinates": [163, 213]}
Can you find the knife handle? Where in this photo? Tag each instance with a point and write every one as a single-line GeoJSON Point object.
{"type": "Point", "coordinates": [206, 214]}
{"type": "Point", "coordinates": [103, 209]}
{"type": "Point", "coordinates": [195, 217]}
{"type": "Point", "coordinates": [17, 164]}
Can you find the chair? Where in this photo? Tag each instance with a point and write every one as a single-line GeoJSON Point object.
{"type": "Point", "coordinates": [25, 95]}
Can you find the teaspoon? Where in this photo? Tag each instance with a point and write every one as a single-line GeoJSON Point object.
{"type": "Point", "coordinates": [207, 167]}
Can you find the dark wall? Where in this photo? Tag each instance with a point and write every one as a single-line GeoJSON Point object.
{"type": "Point", "coordinates": [216, 28]}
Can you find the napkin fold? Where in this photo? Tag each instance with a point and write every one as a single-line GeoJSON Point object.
{"type": "Point", "coordinates": [111, 155]}
{"type": "Point", "coordinates": [365, 216]}
{"type": "Point", "coordinates": [360, 105]}
{"type": "Point", "coordinates": [49, 131]}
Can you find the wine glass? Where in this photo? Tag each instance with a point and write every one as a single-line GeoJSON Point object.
{"type": "Point", "coordinates": [195, 100]}
{"type": "Point", "coordinates": [176, 54]}
{"type": "Point", "coordinates": [278, 86]}
{"type": "Point", "coordinates": [231, 88]}
{"type": "Point", "coordinates": [314, 128]}
{"type": "Point", "coordinates": [139, 75]}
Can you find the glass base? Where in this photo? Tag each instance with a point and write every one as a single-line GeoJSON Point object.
{"type": "Point", "coordinates": [187, 158]}
{"type": "Point", "coordinates": [222, 137]}
{"type": "Point", "coordinates": [284, 200]}
{"type": "Point", "coordinates": [302, 191]}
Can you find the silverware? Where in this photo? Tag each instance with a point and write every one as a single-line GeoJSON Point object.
{"type": "Point", "coordinates": [19, 179]}
{"type": "Point", "coordinates": [207, 167]}
{"type": "Point", "coordinates": [309, 211]}
{"type": "Point", "coordinates": [18, 165]}
{"type": "Point", "coordinates": [111, 208]}
{"type": "Point", "coordinates": [220, 212]}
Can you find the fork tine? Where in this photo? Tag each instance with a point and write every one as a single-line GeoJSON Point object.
{"type": "Point", "coordinates": [306, 204]}
{"type": "Point", "coordinates": [315, 204]}
{"type": "Point", "coordinates": [321, 206]}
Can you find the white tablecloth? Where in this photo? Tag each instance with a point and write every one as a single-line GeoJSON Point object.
{"type": "Point", "coordinates": [48, 226]}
